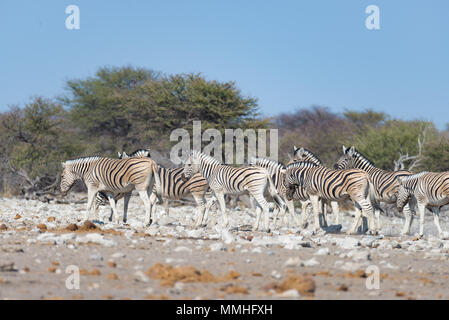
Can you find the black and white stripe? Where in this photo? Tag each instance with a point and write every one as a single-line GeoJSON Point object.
{"type": "Point", "coordinates": [112, 176]}
{"type": "Point", "coordinates": [333, 185]}
{"type": "Point", "coordinates": [305, 155]}
{"type": "Point", "coordinates": [428, 189]}
{"type": "Point", "coordinates": [385, 182]}
{"type": "Point", "coordinates": [224, 179]}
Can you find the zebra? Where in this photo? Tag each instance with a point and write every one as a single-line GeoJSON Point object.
{"type": "Point", "coordinates": [305, 155]}
{"type": "Point", "coordinates": [385, 182]}
{"type": "Point", "coordinates": [428, 189]}
{"type": "Point", "coordinates": [334, 185]}
{"type": "Point", "coordinates": [112, 176]}
{"type": "Point", "coordinates": [102, 198]}
{"type": "Point", "coordinates": [277, 171]}
{"type": "Point", "coordinates": [224, 179]}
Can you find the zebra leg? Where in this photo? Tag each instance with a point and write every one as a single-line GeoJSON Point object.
{"type": "Point", "coordinates": [90, 200]}
{"type": "Point", "coordinates": [436, 220]}
{"type": "Point", "coordinates": [316, 212]}
{"type": "Point", "coordinates": [200, 203]}
{"type": "Point", "coordinates": [323, 220]}
{"type": "Point", "coordinates": [408, 219]}
{"type": "Point", "coordinates": [276, 212]}
{"type": "Point", "coordinates": [144, 196]}
{"type": "Point", "coordinates": [291, 210]}
{"type": "Point", "coordinates": [113, 206]}
{"type": "Point", "coordinates": [336, 212]}
{"type": "Point", "coordinates": [306, 208]}
{"type": "Point", "coordinates": [125, 206]}
{"type": "Point", "coordinates": [422, 214]}
{"type": "Point", "coordinates": [221, 201]}
{"type": "Point", "coordinates": [367, 211]}
{"type": "Point", "coordinates": [357, 218]}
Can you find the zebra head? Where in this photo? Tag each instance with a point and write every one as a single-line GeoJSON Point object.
{"type": "Point", "coordinates": [403, 195]}
{"type": "Point", "coordinates": [305, 155]}
{"type": "Point", "coordinates": [191, 166]}
{"type": "Point", "coordinates": [346, 161]}
{"type": "Point", "coordinates": [68, 178]}
{"type": "Point", "coordinates": [294, 177]}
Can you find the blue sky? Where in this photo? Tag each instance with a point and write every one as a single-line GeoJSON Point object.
{"type": "Point", "coordinates": [288, 54]}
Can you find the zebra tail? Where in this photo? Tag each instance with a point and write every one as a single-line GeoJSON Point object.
{"type": "Point", "coordinates": [372, 196]}
{"type": "Point", "coordinates": [280, 202]}
{"type": "Point", "coordinates": [157, 179]}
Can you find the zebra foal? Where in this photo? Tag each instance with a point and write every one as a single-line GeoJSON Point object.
{"type": "Point", "coordinates": [224, 179]}
{"type": "Point", "coordinates": [428, 189]}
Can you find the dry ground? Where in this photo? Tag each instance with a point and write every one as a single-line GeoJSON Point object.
{"type": "Point", "coordinates": [172, 260]}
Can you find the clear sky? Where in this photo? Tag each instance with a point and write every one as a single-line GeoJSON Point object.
{"type": "Point", "coordinates": [288, 54]}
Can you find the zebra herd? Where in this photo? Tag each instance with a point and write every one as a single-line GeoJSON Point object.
{"type": "Point", "coordinates": [304, 178]}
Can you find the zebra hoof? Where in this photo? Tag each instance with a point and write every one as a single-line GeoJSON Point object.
{"type": "Point", "coordinates": [125, 220]}
{"type": "Point", "coordinates": [149, 223]}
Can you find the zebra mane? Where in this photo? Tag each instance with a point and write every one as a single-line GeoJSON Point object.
{"type": "Point", "coordinates": [81, 160]}
{"type": "Point", "coordinates": [201, 156]}
{"type": "Point", "coordinates": [269, 164]}
{"type": "Point", "coordinates": [302, 164]}
{"type": "Point", "coordinates": [141, 153]}
{"type": "Point", "coordinates": [309, 154]}
{"type": "Point", "coordinates": [413, 176]}
{"type": "Point", "coordinates": [358, 154]}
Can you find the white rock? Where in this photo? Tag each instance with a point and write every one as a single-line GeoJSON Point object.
{"type": "Point", "coordinates": [311, 262]}
{"type": "Point", "coordinates": [118, 255]}
{"type": "Point", "coordinates": [358, 255]}
{"type": "Point", "coordinates": [292, 293]}
{"type": "Point", "coordinates": [275, 274]}
{"type": "Point", "coordinates": [347, 242]}
{"type": "Point", "coordinates": [322, 252]}
{"type": "Point", "coordinates": [292, 262]}
{"type": "Point", "coordinates": [140, 276]}
{"type": "Point", "coordinates": [182, 249]}
{"type": "Point", "coordinates": [257, 250]}
{"type": "Point", "coordinates": [216, 246]}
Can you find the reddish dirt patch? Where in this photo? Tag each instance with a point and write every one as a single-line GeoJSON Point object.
{"type": "Point", "coordinates": [168, 275]}
{"type": "Point", "coordinates": [233, 289]}
{"type": "Point", "coordinates": [3, 227]}
{"type": "Point", "coordinates": [304, 284]}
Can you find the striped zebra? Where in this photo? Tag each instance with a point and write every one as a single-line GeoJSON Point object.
{"type": "Point", "coordinates": [333, 185]}
{"type": "Point", "coordinates": [277, 171]}
{"type": "Point", "coordinates": [112, 176]}
{"type": "Point", "coordinates": [174, 187]}
{"type": "Point", "coordinates": [102, 198]}
{"type": "Point", "coordinates": [224, 179]}
{"type": "Point", "coordinates": [428, 189]}
{"type": "Point", "coordinates": [305, 155]}
{"type": "Point", "coordinates": [385, 182]}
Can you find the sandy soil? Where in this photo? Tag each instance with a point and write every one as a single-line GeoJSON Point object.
{"type": "Point", "coordinates": [40, 246]}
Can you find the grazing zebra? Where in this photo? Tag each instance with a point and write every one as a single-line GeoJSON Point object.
{"type": "Point", "coordinates": [428, 189]}
{"type": "Point", "coordinates": [385, 183]}
{"type": "Point", "coordinates": [333, 185]}
{"type": "Point", "coordinates": [305, 155]}
{"type": "Point", "coordinates": [112, 176]}
{"type": "Point", "coordinates": [102, 198]}
{"type": "Point", "coordinates": [224, 179]}
{"type": "Point", "coordinates": [277, 171]}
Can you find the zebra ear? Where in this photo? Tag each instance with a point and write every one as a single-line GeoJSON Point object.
{"type": "Point", "coordinates": [344, 149]}
{"type": "Point", "coordinates": [351, 151]}
{"type": "Point", "coordinates": [302, 151]}
{"type": "Point", "coordinates": [119, 155]}
{"type": "Point", "coordinates": [400, 180]}
{"type": "Point", "coordinates": [294, 149]}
